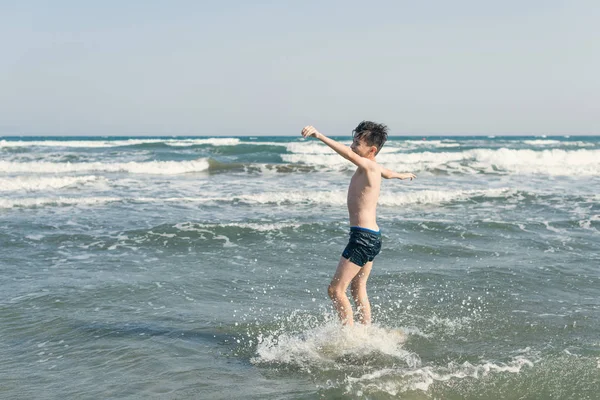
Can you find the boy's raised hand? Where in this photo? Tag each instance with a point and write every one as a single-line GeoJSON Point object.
{"type": "Point", "coordinates": [309, 131]}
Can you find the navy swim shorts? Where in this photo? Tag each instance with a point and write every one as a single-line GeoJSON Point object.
{"type": "Point", "coordinates": [363, 246]}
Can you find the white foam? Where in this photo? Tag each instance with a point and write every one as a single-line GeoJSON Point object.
{"type": "Point", "coordinates": [310, 148]}
{"type": "Point", "coordinates": [413, 144]}
{"type": "Point", "coordinates": [149, 167]}
{"type": "Point", "coordinates": [58, 201]}
{"type": "Point", "coordinates": [317, 148]}
{"type": "Point", "coordinates": [35, 183]}
{"type": "Point", "coordinates": [556, 162]}
{"type": "Point", "coordinates": [56, 143]}
{"type": "Point", "coordinates": [385, 199]}
{"type": "Point", "coordinates": [76, 201]}
{"type": "Point", "coordinates": [211, 141]}
{"type": "Point", "coordinates": [322, 346]}
{"type": "Point", "coordinates": [332, 347]}
{"type": "Point", "coordinates": [559, 143]}
{"type": "Point", "coordinates": [331, 160]}
{"type": "Point", "coordinates": [394, 381]}
{"type": "Point", "coordinates": [260, 227]}
{"type": "Point", "coordinates": [578, 144]}
{"type": "Point", "coordinates": [404, 161]}
{"type": "Point", "coordinates": [541, 142]}
{"type": "Point", "coordinates": [297, 197]}
{"type": "Point", "coordinates": [441, 196]}
{"type": "Point", "coordinates": [548, 162]}
{"type": "Point", "coordinates": [337, 198]}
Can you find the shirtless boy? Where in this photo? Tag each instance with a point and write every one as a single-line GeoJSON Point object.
{"type": "Point", "coordinates": [365, 238]}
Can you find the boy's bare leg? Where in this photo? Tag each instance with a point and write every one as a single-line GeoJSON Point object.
{"type": "Point", "coordinates": [346, 271]}
{"type": "Point", "coordinates": [358, 288]}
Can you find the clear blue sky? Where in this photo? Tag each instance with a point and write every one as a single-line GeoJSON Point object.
{"type": "Point", "coordinates": [271, 67]}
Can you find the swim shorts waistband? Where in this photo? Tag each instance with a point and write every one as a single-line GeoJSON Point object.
{"type": "Point", "coordinates": [361, 229]}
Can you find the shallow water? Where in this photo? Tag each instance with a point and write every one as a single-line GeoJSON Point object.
{"type": "Point", "coordinates": [198, 267]}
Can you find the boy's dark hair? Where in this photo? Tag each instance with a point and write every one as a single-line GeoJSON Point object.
{"type": "Point", "coordinates": [372, 133]}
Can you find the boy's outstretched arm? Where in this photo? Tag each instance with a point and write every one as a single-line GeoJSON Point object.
{"type": "Point", "coordinates": [339, 148]}
{"type": "Point", "coordinates": [389, 174]}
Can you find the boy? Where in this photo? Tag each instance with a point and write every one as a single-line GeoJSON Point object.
{"type": "Point", "coordinates": [365, 239]}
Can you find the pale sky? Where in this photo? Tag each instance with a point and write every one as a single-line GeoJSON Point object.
{"type": "Point", "coordinates": [233, 67]}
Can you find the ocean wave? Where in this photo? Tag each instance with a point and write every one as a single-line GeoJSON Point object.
{"type": "Point", "coordinates": [311, 148]}
{"type": "Point", "coordinates": [56, 143]}
{"type": "Point", "coordinates": [374, 358]}
{"type": "Point", "coordinates": [397, 380]}
{"type": "Point", "coordinates": [542, 142]}
{"type": "Point", "coordinates": [85, 201]}
{"type": "Point", "coordinates": [150, 167]}
{"type": "Point", "coordinates": [551, 162]}
{"type": "Point", "coordinates": [558, 143]}
{"type": "Point", "coordinates": [178, 235]}
{"type": "Point", "coordinates": [392, 146]}
{"type": "Point", "coordinates": [254, 226]}
{"type": "Point", "coordinates": [414, 144]}
{"type": "Point", "coordinates": [385, 199]}
{"type": "Point", "coordinates": [322, 346]}
{"type": "Point", "coordinates": [147, 167]}
{"type": "Point", "coordinates": [211, 141]}
{"type": "Point", "coordinates": [56, 201]}
{"type": "Point", "coordinates": [44, 183]}
{"type": "Point", "coordinates": [336, 198]}
{"type": "Point", "coordinates": [555, 162]}
{"type": "Point", "coordinates": [29, 202]}
{"type": "Point", "coordinates": [119, 143]}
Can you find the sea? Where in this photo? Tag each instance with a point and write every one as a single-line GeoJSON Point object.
{"type": "Point", "coordinates": [197, 268]}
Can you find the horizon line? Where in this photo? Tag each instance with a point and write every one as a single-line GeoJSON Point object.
{"type": "Point", "coordinates": [566, 135]}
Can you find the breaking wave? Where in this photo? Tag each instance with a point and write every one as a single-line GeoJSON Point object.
{"type": "Point", "coordinates": [33, 183]}
{"type": "Point", "coordinates": [148, 167]}
{"type": "Point", "coordinates": [554, 162]}
{"type": "Point", "coordinates": [335, 198]}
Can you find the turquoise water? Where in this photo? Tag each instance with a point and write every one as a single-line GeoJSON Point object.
{"type": "Point", "coordinates": [197, 267]}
